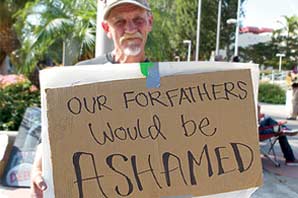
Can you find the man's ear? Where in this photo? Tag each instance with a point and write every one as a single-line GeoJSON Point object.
{"type": "Point", "coordinates": [106, 28]}
{"type": "Point", "coordinates": [150, 21]}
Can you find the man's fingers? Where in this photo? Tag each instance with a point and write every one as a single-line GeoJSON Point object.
{"type": "Point", "coordinates": [40, 183]}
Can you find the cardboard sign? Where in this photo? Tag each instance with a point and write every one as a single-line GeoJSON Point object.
{"type": "Point", "coordinates": [196, 134]}
{"type": "Point", "coordinates": [18, 169]}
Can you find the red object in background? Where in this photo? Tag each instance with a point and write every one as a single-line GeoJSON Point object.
{"type": "Point", "coordinates": [254, 30]}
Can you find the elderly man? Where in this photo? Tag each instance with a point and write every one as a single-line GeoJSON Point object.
{"type": "Point", "coordinates": [127, 23]}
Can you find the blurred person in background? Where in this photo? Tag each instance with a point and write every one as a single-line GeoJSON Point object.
{"type": "Point", "coordinates": [294, 86]}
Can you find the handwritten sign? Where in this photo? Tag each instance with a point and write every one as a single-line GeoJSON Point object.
{"type": "Point", "coordinates": [197, 134]}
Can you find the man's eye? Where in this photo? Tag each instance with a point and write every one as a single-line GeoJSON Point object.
{"type": "Point", "coordinates": [120, 23]}
{"type": "Point", "coordinates": [139, 21]}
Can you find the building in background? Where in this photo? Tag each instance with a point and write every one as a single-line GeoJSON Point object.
{"type": "Point", "coordinates": [248, 35]}
{"type": "Point", "coordinates": [253, 35]}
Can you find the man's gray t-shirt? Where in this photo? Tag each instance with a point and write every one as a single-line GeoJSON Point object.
{"type": "Point", "coordinates": [103, 59]}
{"type": "Point", "coordinates": [106, 58]}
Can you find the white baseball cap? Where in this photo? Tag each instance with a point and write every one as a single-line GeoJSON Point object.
{"type": "Point", "coordinates": [112, 3]}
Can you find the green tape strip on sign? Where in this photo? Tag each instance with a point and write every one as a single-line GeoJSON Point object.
{"type": "Point", "coordinates": [145, 67]}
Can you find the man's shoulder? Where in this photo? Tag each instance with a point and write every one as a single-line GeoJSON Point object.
{"type": "Point", "coordinates": [95, 61]}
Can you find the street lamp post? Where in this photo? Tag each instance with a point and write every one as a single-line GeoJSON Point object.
{"type": "Point", "coordinates": [198, 29]}
{"type": "Point", "coordinates": [229, 22]}
{"type": "Point", "coordinates": [189, 48]}
{"type": "Point", "coordinates": [218, 28]}
{"type": "Point", "coordinates": [237, 22]}
{"type": "Point", "coordinates": [237, 29]}
{"type": "Point", "coordinates": [280, 60]}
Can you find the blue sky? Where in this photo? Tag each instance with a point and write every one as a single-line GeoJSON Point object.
{"type": "Point", "coordinates": [266, 13]}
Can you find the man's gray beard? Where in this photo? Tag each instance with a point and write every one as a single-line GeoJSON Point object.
{"type": "Point", "coordinates": [132, 50]}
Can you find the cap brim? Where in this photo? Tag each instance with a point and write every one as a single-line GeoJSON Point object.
{"type": "Point", "coordinates": [107, 11]}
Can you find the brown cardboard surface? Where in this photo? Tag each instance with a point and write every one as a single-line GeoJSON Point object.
{"type": "Point", "coordinates": [197, 134]}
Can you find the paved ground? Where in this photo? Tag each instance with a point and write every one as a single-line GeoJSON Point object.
{"type": "Point", "coordinates": [276, 184]}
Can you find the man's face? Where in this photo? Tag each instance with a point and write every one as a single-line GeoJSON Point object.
{"type": "Point", "coordinates": [128, 25]}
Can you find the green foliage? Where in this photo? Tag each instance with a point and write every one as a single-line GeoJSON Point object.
{"type": "Point", "coordinates": [14, 99]}
{"type": "Point", "coordinates": [44, 25]}
{"type": "Point", "coordinates": [271, 93]}
{"type": "Point", "coordinates": [159, 45]}
{"type": "Point", "coordinates": [175, 21]}
{"type": "Point", "coordinates": [186, 25]}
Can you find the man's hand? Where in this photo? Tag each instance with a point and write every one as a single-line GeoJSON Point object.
{"type": "Point", "coordinates": [38, 184]}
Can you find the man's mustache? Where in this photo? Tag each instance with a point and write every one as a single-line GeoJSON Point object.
{"type": "Point", "coordinates": [127, 36]}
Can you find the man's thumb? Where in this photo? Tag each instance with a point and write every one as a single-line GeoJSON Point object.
{"type": "Point", "coordinates": [40, 183]}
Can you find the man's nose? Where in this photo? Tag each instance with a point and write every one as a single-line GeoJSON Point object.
{"type": "Point", "coordinates": [131, 27]}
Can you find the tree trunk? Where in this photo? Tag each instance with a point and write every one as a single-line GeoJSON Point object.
{"type": "Point", "coordinates": [8, 39]}
{"type": "Point", "coordinates": [8, 43]}
{"type": "Point", "coordinates": [4, 66]}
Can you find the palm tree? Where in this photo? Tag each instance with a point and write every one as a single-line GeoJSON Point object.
{"type": "Point", "coordinates": [292, 36]}
{"type": "Point", "coordinates": [56, 24]}
{"type": "Point", "coordinates": [286, 39]}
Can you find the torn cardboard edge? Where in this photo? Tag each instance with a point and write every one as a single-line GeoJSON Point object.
{"type": "Point", "coordinates": [88, 74]}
